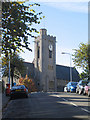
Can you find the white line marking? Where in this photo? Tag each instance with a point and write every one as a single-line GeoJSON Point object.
{"type": "Point", "coordinates": [85, 110]}
{"type": "Point", "coordinates": [77, 106]}
{"type": "Point", "coordinates": [74, 104]}
{"type": "Point", "coordinates": [58, 96]}
{"type": "Point", "coordinates": [64, 99]}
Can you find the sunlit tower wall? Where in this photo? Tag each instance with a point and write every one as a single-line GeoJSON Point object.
{"type": "Point", "coordinates": [45, 61]}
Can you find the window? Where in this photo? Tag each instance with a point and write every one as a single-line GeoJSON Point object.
{"type": "Point", "coordinates": [38, 52]}
{"type": "Point", "coordinates": [50, 54]}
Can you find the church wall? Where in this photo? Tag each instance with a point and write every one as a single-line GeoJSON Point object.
{"type": "Point", "coordinates": [61, 84]}
{"type": "Point", "coordinates": [45, 66]}
{"type": "Point", "coordinates": [52, 63]}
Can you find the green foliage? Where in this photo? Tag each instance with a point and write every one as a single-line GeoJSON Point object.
{"type": "Point", "coordinates": [83, 75]}
{"type": "Point", "coordinates": [16, 63]}
{"type": "Point", "coordinates": [81, 59]}
{"type": "Point", "coordinates": [17, 20]}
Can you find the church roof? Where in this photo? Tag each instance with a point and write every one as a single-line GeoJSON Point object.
{"type": "Point", "coordinates": [29, 69]}
{"type": "Point", "coordinates": [63, 73]}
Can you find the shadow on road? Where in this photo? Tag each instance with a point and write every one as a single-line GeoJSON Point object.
{"type": "Point", "coordinates": [44, 106]}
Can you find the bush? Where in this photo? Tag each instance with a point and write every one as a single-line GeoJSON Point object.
{"type": "Point", "coordinates": [28, 83]}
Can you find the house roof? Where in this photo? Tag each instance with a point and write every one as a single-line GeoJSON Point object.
{"type": "Point", "coordinates": [63, 72]}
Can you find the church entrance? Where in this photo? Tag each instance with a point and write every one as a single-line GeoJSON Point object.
{"type": "Point", "coordinates": [51, 86]}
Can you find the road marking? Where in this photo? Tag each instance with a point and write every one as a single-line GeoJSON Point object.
{"type": "Point", "coordinates": [64, 99]}
{"type": "Point", "coordinates": [85, 110]}
{"type": "Point", "coordinates": [74, 104]}
{"type": "Point", "coordinates": [77, 106]}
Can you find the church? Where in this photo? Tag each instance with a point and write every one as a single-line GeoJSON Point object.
{"type": "Point", "coordinates": [47, 75]}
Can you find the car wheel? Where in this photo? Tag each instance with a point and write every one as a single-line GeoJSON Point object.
{"type": "Point", "coordinates": [11, 98]}
{"type": "Point", "coordinates": [84, 93]}
{"type": "Point", "coordinates": [80, 91]}
{"type": "Point", "coordinates": [88, 94]}
{"type": "Point", "coordinates": [26, 96]}
{"type": "Point", "coordinates": [76, 91]}
{"type": "Point", "coordinates": [70, 90]}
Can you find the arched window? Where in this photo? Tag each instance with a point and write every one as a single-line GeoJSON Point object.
{"type": "Point", "coordinates": [50, 54]}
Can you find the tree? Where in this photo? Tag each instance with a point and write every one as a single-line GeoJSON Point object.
{"type": "Point", "coordinates": [28, 83]}
{"type": "Point", "coordinates": [81, 59]}
{"type": "Point", "coordinates": [16, 66]}
{"type": "Point", "coordinates": [17, 20]}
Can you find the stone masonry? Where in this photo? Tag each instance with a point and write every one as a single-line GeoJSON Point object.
{"type": "Point", "coordinates": [45, 61]}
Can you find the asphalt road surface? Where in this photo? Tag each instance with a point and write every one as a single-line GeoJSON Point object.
{"type": "Point", "coordinates": [49, 105]}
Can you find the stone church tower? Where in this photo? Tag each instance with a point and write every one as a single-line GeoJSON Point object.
{"type": "Point", "coordinates": [45, 62]}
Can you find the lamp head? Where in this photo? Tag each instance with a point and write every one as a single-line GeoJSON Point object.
{"type": "Point", "coordinates": [63, 53]}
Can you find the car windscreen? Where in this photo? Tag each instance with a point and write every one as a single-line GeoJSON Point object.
{"type": "Point", "coordinates": [74, 83]}
{"type": "Point", "coordinates": [84, 82]}
{"type": "Point", "coordinates": [89, 84]}
{"type": "Point", "coordinates": [18, 87]}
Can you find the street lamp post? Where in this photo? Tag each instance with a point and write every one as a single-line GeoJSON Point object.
{"type": "Point", "coordinates": [9, 70]}
{"type": "Point", "coordinates": [70, 64]}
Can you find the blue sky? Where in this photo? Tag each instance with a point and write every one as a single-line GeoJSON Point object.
{"type": "Point", "coordinates": [68, 21]}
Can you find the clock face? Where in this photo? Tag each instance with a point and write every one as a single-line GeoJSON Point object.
{"type": "Point", "coordinates": [50, 47]}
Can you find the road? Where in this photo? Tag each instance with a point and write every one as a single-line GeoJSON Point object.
{"type": "Point", "coordinates": [49, 105]}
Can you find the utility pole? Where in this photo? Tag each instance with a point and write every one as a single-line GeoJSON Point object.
{"type": "Point", "coordinates": [70, 64]}
{"type": "Point", "coordinates": [9, 70]}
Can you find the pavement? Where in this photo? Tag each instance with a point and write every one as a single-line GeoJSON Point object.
{"type": "Point", "coordinates": [3, 102]}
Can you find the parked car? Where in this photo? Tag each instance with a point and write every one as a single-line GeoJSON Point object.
{"type": "Point", "coordinates": [87, 86]}
{"type": "Point", "coordinates": [65, 88]}
{"type": "Point", "coordinates": [71, 86]}
{"type": "Point", "coordinates": [89, 91]}
{"type": "Point", "coordinates": [18, 91]}
{"type": "Point", "coordinates": [80, 86]}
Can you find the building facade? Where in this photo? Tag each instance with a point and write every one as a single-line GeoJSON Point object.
{"type": "Point", "coordinates": [43, 70]}
{"type": "Point", "coordinates": [45, 62]}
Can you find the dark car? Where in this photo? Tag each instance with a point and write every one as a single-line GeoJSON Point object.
{"type": "Point", "coordinates": [80, 86]}
{"type": "Point", "coordinates": [18, 91]}
{"type": "Point", "coordinates": [71, 86]}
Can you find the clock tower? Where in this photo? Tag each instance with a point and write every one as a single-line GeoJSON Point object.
{"type": "Point", "coordinates": [45, 62]}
